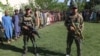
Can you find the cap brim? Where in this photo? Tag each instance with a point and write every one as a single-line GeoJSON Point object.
{"type": "Point", "coordinates": [74, 8]}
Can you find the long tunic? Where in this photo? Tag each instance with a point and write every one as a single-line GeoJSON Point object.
{"type": "Point", "coordinates": [16, 23]}
{"type": "Point", "coordinates": [8, 26]}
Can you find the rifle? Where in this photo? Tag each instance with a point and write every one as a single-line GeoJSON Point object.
{"type": "Point", "coordinates": [78, 31]}
{"type": "Point", "coordinates": [31, 30]}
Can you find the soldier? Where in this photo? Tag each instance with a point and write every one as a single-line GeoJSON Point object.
{"type": "Point", "coordinates": [28, 21]}
{"type": "Point", "coordinates": [74, 24]}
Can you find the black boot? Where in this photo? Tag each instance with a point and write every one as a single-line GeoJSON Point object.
{"type": "Point", "coordinates": [25, 51]}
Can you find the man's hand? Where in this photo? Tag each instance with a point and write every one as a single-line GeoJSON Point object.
{"type": "Point", "coordinates": [72, 28]}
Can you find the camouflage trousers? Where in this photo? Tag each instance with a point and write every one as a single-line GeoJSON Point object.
{"type": "Point", "coordinates": [25, 40]}
{"type": "Point", "coordinates": [70, 39]}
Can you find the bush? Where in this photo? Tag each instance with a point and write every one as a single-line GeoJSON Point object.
{"type": "Point", "coordinates": [96, 8]}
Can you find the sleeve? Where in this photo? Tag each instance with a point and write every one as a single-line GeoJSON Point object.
{"type": "Point", "coordinates": [13, 20]}
{"type": "Point", "coordinates": [81, 23]}
{"type": "Point", "coordinates": [3, 25]}
{"type": "Point", "coordinates": [67, 22]}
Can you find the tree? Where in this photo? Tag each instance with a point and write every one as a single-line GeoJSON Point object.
{"type": "Point", "coordinates": [96, 8]}
{"type": "Point", "coordinates": [33, 4]}
{"type": "Point", "coordinates": [1, 5]}
{"type": "Point", "coordinates": [51, 4]}
{"type": "Point", "coordinates": [92, 3]}
{"type": "Point", "coordinates": [80, 4]}
{"type": "Point", "coordinates": [46, 4]}
{"type": "Point", "coordinates": [8, 7]}
{"type": "Point", "coordinates": [59, 7]}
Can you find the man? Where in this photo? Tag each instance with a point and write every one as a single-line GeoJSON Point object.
{"type": "Point", "coordinates": [38, 15]}
{"type": "Point", "coordinates": [74, 22]}
{"type": "Point", "coordinates": [1, 34]}
{"type": "Point", "coordinates": [28, 21]}
{"type": "Point", "coordinates": [16, 21]}
{"type": "Point", "coordinates": [7, 26]}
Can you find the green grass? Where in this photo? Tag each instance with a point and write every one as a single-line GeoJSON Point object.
{"type": "Point", "coordinates": [53, 42]}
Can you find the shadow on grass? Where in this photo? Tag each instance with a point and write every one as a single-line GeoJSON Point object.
{"type": "Point", "coordinates": [46, 52]}
{"type": "Point", "coordinates": [10, 47]}
{"type": "Point", "coordinates": [41, 51]}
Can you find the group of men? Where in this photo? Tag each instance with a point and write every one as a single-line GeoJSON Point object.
{"type": "Point", "coordinates": [47, 17]}
{"type": "Point", "coordinates": [19, 24]}
{"type": "Point", "coordinates": [73, 22]}
{"type": "Point", "coordinates": [9, 24]}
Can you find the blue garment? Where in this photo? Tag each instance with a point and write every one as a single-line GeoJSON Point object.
{"type": "Point", "coordinates": [8, 26]}
{"type": "Point", "coordinates": [16, 25]}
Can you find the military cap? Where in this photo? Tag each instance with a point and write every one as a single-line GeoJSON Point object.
{"type": "Point", "coordinates": [73, 5]}
{"type": "Point", "coordinates": [27, 8]}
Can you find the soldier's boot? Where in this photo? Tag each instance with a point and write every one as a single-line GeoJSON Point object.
{"type": "Point", "coordinates": [25, 51]}
{"type": "Point", "coordinates": [68, 50]}
{"type": "Point", "coordinates": [23, 54]}
{"type": "Point", "coordinates": [67, 55]}
{"type": "Point", "coordinates": [37, 54]}
{"type": "Point", "coordinates": [35, 51]}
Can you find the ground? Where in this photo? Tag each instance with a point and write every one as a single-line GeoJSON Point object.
{"type": "Point", "coordinates": [53, 42]}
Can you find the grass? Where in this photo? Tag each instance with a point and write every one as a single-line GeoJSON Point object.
{"type": "Point", "coordinates": [53, 42]}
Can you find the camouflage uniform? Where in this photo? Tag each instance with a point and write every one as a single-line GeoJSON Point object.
{"type": "Point", "coordinates": [28, 21]}
{"type": "Point", "coordinates": [77, 20]}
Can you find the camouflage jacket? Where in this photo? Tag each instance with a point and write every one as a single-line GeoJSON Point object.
{"type": "Point", "coordinates": [28, 20]}
{"type": "Point", "coordinates": [77, 19]}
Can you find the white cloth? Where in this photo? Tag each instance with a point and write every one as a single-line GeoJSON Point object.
{"type": "Point", "coordinates": [67, 55]}
{"type": "Point", "coordinates": [48, 20]}
{"type": "Point", "coordinates": [91, 17]}
{"type": "Point", "coordinates": [1, 14]}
